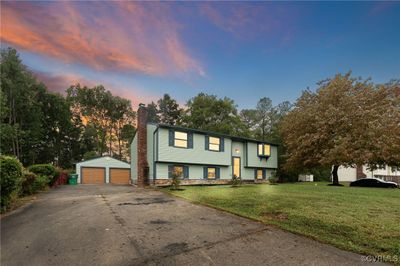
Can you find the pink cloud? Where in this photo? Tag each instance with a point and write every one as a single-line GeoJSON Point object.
{"type": "Point", "coordinates": [127, 36]}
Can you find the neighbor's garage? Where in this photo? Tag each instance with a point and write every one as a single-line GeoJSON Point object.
{"type": "Point", "coordinates": [103, 170]}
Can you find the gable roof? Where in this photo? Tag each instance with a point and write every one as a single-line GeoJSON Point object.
{"type": "Point", "coordinates": [100, 157]}
{"type": "Point", "coordinates": [212, 133]}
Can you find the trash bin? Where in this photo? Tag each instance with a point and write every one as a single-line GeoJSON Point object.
{"type": "Point", "coordinates": [73, 179]}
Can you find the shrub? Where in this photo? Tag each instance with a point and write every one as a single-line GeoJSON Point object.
{"type": "Point", "coordinates": [273, 180]}
{"type": "Point", "coordinates": [236, 181]}
{"type": "Point", "coordinates": [47, 170]}
{"type": "Point", "coordinates": [40, 183]}
{"type": "Point", "coordinates": [10, 178]}
{"type": "Point", "coordinates": [175, 181]}
{"type": "Point", "coordinates": [28, 179]}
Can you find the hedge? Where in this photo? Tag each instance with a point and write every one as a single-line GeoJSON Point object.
{"type": "Point", "coordinates": [10, 179]}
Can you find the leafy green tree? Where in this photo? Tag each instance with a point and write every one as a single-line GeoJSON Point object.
{"type": "Point", "coordinates": [249, 119]}
{"type": "Point", "coordinates": [22, 122]}
{"type": "Point", "coordinates": [207, 112]}
{"type": "Point", "coordinates": [169, 111]}
{"type": "Point", "coordinates": [264, 113]}
{"type": "Point", "coordinates": [152, 113]}
{"type": "Point", "coordinates": [95, 106]}
{"type": "Point", "coordinates": [347, 121]}
{"type": "Point", "coordinates": [121, 116]}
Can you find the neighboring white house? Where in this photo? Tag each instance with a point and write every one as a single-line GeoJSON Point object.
{"type": "Point", "coordinates": [103, 170]}
{"type": "Point", "coordinates": [306, 178]}
{"type": "Point", "coordinates": [348, 174]}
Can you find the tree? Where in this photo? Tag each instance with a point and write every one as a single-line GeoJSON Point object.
{"type": "Point", "coordinates": [169, 111]}
{"type": "Point", "coordinates": [121, 116]}
{"type": "Point", "coordinates": [22, 122]}
{"type": "Point", "coordinates": [104, 117]}
{"type": "Point", "coordinates": [207, 112]}
{"type": "Point", "coordinates": [152, 113]}
{"type": "Point", "coordinates": [94, 105]}
{"type": "Point", "coordinates": [347, 121]}
{"type": "Point", "coordinates": [264, 113]}
{"type": "Point", "coordinates": [249, 119]}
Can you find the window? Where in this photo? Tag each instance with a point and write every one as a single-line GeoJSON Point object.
{"type": "Point", "coordinates": [211, 173]}
{"type": "Point", "coordinates": [178, 171]}
{"type": "Point", "coordinates": [264, 149]}
{"type": "Point", "coordinates": [180, 139]}
{"type": "Point", "coordinates": [395, 169]}
{"type": "Point", "coordinates": [214, 144]}
{"type": "Point", "coordinates": [181, 171]}
{"type": "Point", "coordinates": [260, 174]}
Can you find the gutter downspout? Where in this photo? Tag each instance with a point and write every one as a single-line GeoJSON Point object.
{"type": "Point", "coordinates": [154, 161]}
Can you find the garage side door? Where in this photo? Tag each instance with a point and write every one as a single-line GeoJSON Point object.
{"type": "Point", "coordinates": [93, 175]}
{"type": "Point", "coordinates": [120, 176]}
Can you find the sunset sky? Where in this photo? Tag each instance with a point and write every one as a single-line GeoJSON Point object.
{"type": "Point", "coordinates": [243, 50]}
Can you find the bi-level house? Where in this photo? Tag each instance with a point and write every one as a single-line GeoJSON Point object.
{"type": "Point", "coordinates": [159, 151]}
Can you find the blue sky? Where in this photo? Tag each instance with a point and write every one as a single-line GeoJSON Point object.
{"type": "Point", "coordinates": [242, 50]}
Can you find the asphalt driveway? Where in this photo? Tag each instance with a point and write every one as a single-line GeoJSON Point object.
{"type": "Point", "coordinates": [123, 225]}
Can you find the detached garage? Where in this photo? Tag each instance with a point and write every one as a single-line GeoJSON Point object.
{"type": "Point", "coordinates": [103, 170]}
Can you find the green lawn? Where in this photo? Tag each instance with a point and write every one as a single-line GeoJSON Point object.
{"type": "Point", "coordinates": [364, 220]}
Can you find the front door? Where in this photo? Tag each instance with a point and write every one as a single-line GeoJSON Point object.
{"type": "Point", "coordinates": [236, 166]}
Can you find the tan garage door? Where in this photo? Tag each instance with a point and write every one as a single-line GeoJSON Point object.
{"type": "Point", "coordinates": [120, 176]}
{"type": "Point", "coordinates": [93, 175]}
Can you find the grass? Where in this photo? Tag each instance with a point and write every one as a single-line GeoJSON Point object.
{"type": "Point", "coordinates": [363, 220]}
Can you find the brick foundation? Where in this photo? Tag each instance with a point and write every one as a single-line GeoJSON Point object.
{"type": "Point", "coordinates": [142, 164]}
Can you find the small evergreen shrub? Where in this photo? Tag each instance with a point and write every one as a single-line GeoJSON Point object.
{"type": "Point", "coordinates": [28, 179]}
{"type": "Point", "coordinates": [273, 180]}
{"type": "Point", "coordinates": [236, 181]}
{"type": "Point", "coordinates": [47, 170]}
{"type": "Point", "coordinates": [175, 181]}
{"type": "Point", "coordinates": [10, 179]}
{"type": "Point", "coordinates": [40, 183]}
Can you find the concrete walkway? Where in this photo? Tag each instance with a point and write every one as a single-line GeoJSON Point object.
{"type": "Point", "coordinates": [122, 225]}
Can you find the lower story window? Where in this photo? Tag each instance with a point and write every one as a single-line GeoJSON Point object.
{"type": "Point", "coordinates": [211, 173]}
{"type": "Point", "coordinates": [260, 174]}
{"type": "Point", "coordinates": [180, 171]}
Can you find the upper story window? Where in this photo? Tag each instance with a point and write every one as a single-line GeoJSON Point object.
{"type": "Point", "coordinates": [214, 143]}
{"type": "Point", "coordinates": [181, 139]}
{"type": "Point", "coordinates": [264, 149]}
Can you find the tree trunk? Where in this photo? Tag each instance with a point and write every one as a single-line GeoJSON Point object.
{"type": "Point", "coordinates": [335, 177]}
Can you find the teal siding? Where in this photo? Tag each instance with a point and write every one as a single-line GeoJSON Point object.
{"type": "Point", "coordinates": [239, 150]}
{"type": "Point", "coordinates": [195, 171]}
{"type": "Point", "coordinates": [197, 155]}
{"type": "Point", "coordinates": [134, 159]}
{"type": "Point", "coordinates": [255, 161]}
{"type": "Point", "coordinates": [160, 155]}
{"type": "Point", "coordinates": [151, 139]}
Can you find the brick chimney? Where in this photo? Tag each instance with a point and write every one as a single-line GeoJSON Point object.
{"type": "Point", "coordinates": [142, 164]}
